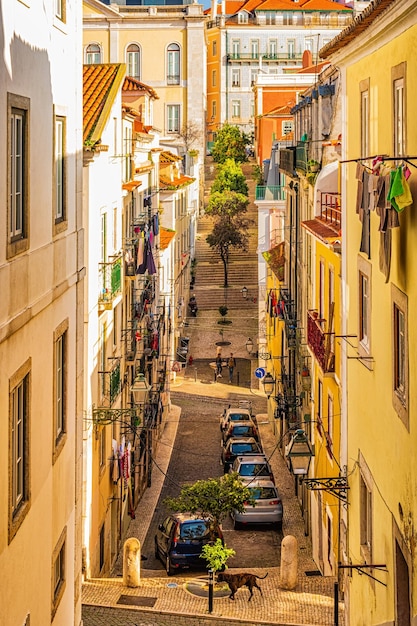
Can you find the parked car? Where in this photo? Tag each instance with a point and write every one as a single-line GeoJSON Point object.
{"type": "Point", "coordinates": [239, 430]}
{"type": "Point", "coordinates": [268, 507]}
{"type": "Point", "coordinates": [234, 415]}
{"type": "Point", "coordinates": [238, 447]}
{"type": "Point", "coordinates": [252, 467]}
{"type": "Point", "coordinates": [179, 541]}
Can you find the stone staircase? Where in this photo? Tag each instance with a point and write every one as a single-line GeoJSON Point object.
{"type": "Point", "coordinates": [242, 267]}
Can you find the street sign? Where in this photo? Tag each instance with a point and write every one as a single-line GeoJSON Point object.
{"type": "Point", "coordinates": [260, 372]}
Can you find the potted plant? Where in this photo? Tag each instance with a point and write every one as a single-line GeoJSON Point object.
{"type": "Point", "coordinates": [313, 165]}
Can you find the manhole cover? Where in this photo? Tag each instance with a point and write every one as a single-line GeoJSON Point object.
{"type": "Point", "coordinates": [314, 572]}
{"type": "Point", "coordinates": [137, 600]}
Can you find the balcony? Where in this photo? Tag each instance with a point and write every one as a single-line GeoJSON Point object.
{"type": "Point", "coordinates": [110, 281]}
{"type": "Point", "coordinates": [319, 342]}
{"type": "Point", "coordinates": [282, 57]}
{"type": "Point", "coordinates": [269, 192]}
{"type": "Point", "coordinates": [330, 211]}
{"type": "Point", "coordinates": [301, 157]}
{"type": "Point", "coordinates": [287, 160]}
{"type": "Point", "coordinates": [110, 384]}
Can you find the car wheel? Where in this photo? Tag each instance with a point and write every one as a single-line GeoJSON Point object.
{"type": "Point", "coordinates": [279, 526]}
{"type": "Point", "coordinates": [236, 525]}
{"type": "Point", "coordinates": [168, 566]}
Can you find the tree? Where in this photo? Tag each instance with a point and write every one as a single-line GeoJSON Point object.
{"type": "Point", "coordinates": [214, 499]}
{"type": "Point", "coordinates": [230, 144]}
{"type": "Point", "coordinates": [191, 134]}
{"type": "Point", "coordinates": [230, 177]}
{"type": "Point", "coordinates": [228, 232]}
{"type": "Point", "coordinates": [227, 203]}
{"type": "Point", "coordinates": [217, 555]}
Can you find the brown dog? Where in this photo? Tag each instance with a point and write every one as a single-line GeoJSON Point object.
{"type": "Point", "coordinates": [235, 581]}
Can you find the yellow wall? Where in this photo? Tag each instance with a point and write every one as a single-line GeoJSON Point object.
{"type": "Point", "coordinates": [377, 437]}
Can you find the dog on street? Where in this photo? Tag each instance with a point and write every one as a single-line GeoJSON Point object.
{"type": "Point", "coordinates": [244, 579]}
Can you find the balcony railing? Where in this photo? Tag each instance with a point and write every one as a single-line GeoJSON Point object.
{"type": "Point", "coordinates": [269, 192]}
{"type": "Point", "coordinates": [301, 156]}
{"type": "Point", "coordinates": [265, 56]}
{"type": "Point", "coordinates": [111, 384]}
{"type": "Point", "coordinates": [110, 281]}
{"type": "Point", "coordinates": [319, 342]}
{"type": "Point", "coordinates": [287, 160]}
{"type": "Point", "coordinates": [173, 79]}
{"type": "Point", "coordinates": [330, 209]}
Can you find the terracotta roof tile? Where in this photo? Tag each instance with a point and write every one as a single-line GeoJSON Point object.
{"type": "Point", "coordinates": [321, 229]}
{"type": "Point", "coordinates": [165, 182]}
{"type": "Point", "coordinates": [100, 81]}
{"type": "Point", "coordinates": [133, 184]}
{"type": "Point", "coordinates": [131, 84]}
{"type": "Point", "coordinates": [169, 157]}
{"type": "Point", "coordinates": [166, 235]}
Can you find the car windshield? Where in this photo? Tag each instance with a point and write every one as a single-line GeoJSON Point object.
{"type": "Point", "coordinates": [236, 417]}
{"type": "Point", "coordinates": [263, 493]}
{"type": "Point", "coordinates": [193, 530]}
{"type": "Point", "coordinates": [253, 469]}
{"type": "Point", "coordinates": [242, 430]}
{"type": "Point", "coordinates": [242, 448]}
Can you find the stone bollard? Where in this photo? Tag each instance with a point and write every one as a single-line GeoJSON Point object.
{"type": "Point", "coordinates": [131, 562]}
{"type": "Point", "coordinates": [289, 563]}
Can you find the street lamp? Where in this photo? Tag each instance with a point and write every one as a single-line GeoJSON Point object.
{"type": "Point", "coordinates": [249, 345]}
{"type": "Point", "coordinates": [244, 292]}
{"type": "Point", "coordinates": [269, 384]}
{"type": "Point", "coordinates": [140, 389]}
{"type": "Point", "coordinates": [299, 453]}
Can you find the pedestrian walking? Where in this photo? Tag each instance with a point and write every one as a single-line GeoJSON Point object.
{"type": "Point", "coordinates": [219, 366]}
{"type": "Point", "coordinates": [231, 364]}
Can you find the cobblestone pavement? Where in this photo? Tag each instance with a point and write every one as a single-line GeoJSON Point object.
{"type": "Point", "coordinates": [168, 602]}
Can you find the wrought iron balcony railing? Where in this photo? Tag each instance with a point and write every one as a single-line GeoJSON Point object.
{"type": "Point", "coordinates": [269, 192]}
{"type": "Point", "coordinates": [319, 342]}
{"type": "Point", "coordinates": [110, 281]}
{"type": "Point", "coordinates": [265, 56]}
{"type": "Point", "coordinates": [330, 209]}
{"type": "Point", "coordinates": [301, 158]}
{"type": "Point", "coordinates": [111, 384]}
{"type": "Point", "coordinates": [287, 160]}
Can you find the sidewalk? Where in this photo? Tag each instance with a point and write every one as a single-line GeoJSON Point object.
{"type": "Point", "coordinates": [310, 604]}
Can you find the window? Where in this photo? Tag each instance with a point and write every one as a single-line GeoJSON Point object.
{"type": "Point", "coordinates": [399, 112]}
{"type": "Point", "coordinates": [101, 548]}
{"type": "Point", "coordinates": [236, 108]}
{"type": "Point", "coordinates": [19, 451]}
{"type": "Point", "coordinates": [93, 54]}
{"type": "Point", "coordinates": [60, 383]}
{"type": "Point", "coordinates": [364, 302]}
{"type": "Point", "coordinates": [214, 48]}
{"type": "Point", "coordinates": [291, 48]}
{"type": "Point", "coordinates": [330, 425]}
{"type": "Point", "coordinates": [235, 48]}
{"type": "Point", "coordinates": [273, 49]}
{"type": "Point", "coordinates": [58, 571]}
{"type": "Point", "coordinates": [400, 365]}
{"type": "Point", "coordinates": [308, 44]}
{"type": "Point", "coordinates": [253, 76]}
{"type": "Point", "coordinates": [319, 407]}
{"type": "Point", "coordinates": [214, 108]}
{"type": "Point", "coordinates": [133, 61]}
{"type": "Point", "coordinates": [60, 9]}
{"type": "Point", "coordinates": [254, 48]}
{"type": "Point", "coordinates": [242, 18]}
{"type": "Point", "coordinates": [214, 78]}
{"type": "Point", "coordinates": [173, 64]}
{"type": "Point", "coordinates": [60, 173]}
{"type": "Point", "coordinates": [365, 519]}
{"type": "Point", "coordinates": [321, 291]}
{"type": "Point", "coordinates": [127, 150]}
{"type": "Point", "coordinates": [364, 110]}
{"type": "Point", "coordinates": [102, 448]}
{"type": "Point", "coordinates": [173, 118]}
{"type": "Point", "coordinates": [287, 127]}
{"type": "Point", "coordinates": [235, 77]}
{"type": "Point", "coordinates": [18, 149]}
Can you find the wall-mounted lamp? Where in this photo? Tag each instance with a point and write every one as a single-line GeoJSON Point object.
{"type": "Point", "coordinates": [140, 389]}
{"type": "Point", "coordinates": [249, 345]}
{"type": "Point", "coordinates": [299, 453]}
{"type": "Point", "coordinates": [269, 384]}
{"type": "Point", "coordinates": [244, 292]}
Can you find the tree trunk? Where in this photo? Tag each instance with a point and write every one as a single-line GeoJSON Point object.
{"type": "Point", "coordinates": [225, 257]}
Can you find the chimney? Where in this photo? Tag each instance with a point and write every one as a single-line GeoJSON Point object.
{"type": "Point", "coordinates": [213, 9]}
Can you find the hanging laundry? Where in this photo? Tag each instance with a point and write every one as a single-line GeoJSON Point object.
{"type": "Point", "coordinates": [399, 193]}
{"type": "Point", "coordinates": [140, 253]}
{"type": "Point", "coordinates": [155, 224]}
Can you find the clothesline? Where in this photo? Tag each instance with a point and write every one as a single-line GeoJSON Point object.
{"type": "Point", "coordinates": [384, 157]}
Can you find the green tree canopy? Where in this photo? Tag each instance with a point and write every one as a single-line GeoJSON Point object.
{"type": "Point", "coordinates": [227, 203]}
{"type": "Point", "coordinates": [213, 499]}
{"type": "Point", "coordinates": [230, 177]}
{"type": "Point", "coordinates": [230, 144]}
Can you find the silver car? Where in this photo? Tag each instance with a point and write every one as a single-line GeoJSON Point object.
{"type": "Point", "coordinates": [268, 507]}
{"type": "Point", "coordinates": [252, 467]}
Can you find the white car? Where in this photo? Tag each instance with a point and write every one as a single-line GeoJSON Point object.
{"type": "Point", "coordinates": [236, 414]}
{"type": "Point", "coordinates": [267, 507]}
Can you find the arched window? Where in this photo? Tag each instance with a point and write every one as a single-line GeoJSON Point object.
{"type": "Point", "coordinates": [133, 61]}
{"type": "Point", "coordinates": [93, 54]}
{"type": "Point", "coordinates": [173, 64]}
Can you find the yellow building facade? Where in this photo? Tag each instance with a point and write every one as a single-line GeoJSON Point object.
{"type": "Point", "coordinates": [377, 61]}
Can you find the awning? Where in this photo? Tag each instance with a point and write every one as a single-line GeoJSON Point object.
{"type": "Point", "coordinates": [130, 186]}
